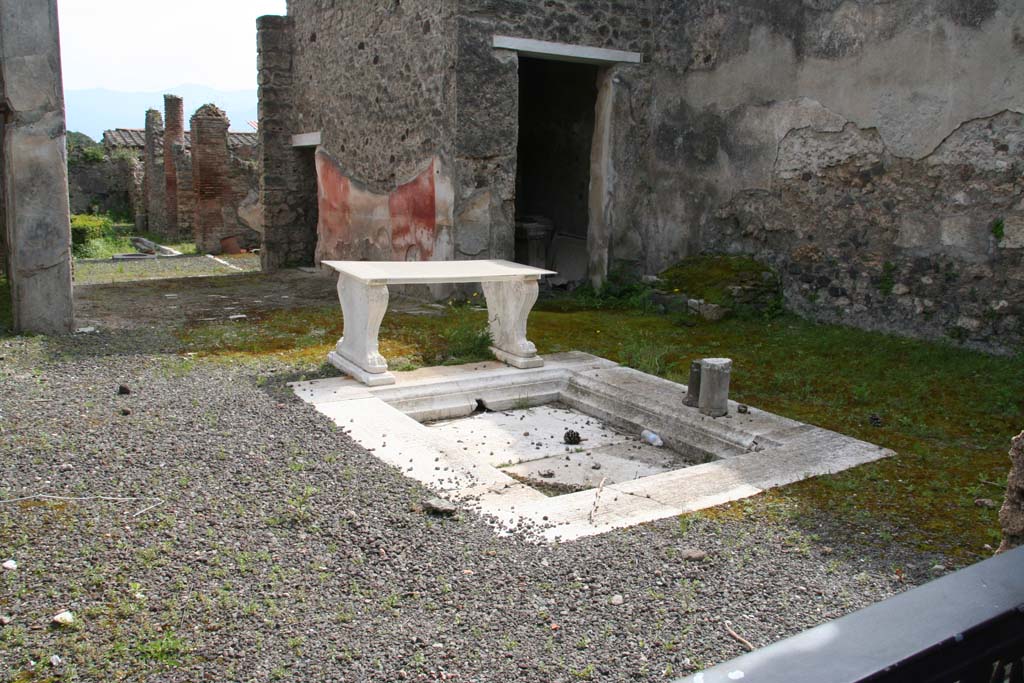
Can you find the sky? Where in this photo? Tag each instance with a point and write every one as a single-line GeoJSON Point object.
{"type": "Point", "coordinates": [134, 45]}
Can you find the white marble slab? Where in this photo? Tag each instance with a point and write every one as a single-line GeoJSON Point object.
{"type": "Point", "coordinates": [435, 272]}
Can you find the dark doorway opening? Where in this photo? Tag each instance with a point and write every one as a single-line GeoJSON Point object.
{"type": "Point", "coordinates": [557, 102]}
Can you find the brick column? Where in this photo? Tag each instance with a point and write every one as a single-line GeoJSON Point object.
{"type": "Point", "coordinates": [174, 138]}
{"type": "Point", "coordinates": [153, 185]}
{"type": "Point", "coordinates": [211, 182]}
{"type": "Point", "coordinates": [33, 168]}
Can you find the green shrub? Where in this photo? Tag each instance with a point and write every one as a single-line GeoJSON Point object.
{"type": "Point", "coordinates": [85, 227]}
{"type": "Point", "coordinates": [93, 155]}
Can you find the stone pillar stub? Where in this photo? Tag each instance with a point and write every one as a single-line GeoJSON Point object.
{"type": "Point", "coordinates": [692, 398]}
{"type": "Point", "coordinates": [714, 386]}
{"type": "Point", "coordinates": [34, 179]}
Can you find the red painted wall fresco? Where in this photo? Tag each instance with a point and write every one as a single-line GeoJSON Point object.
{"type": "Point", "coordinates": [356, 224]}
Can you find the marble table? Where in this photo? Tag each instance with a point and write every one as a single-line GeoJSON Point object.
{"type": "Point", "coordinates": [510, 290]}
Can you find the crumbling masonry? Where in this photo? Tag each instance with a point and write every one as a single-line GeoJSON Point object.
{"type": "Point", "coordinates": [873, 153]}
{"type": "Point", "coordinates": [200, 183]}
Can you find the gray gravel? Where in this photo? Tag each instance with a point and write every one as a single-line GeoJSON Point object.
{"type": "Point", "coordinates": [280, 550]}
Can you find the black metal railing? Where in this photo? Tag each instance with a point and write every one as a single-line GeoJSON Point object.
{"type": "Point", "coordinates": [966, 627]}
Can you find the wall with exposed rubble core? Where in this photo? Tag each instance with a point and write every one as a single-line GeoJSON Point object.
{"type": "Point", "coordinates": [873, 152]}
{"type": "Point", "coordinates": [870, 151]}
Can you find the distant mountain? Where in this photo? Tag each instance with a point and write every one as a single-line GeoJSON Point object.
{"type": "Point", "coordinates": [94, 111]}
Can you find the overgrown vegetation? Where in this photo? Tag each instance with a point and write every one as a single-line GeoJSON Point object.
{"type": "Point", "coordinates": [81, 147]}
{"type": "Point", "coordinates": [99, 236]}
{"type": "Point", "coordinates": [951, 443]}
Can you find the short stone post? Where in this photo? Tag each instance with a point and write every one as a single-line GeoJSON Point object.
{"type": "Point", "coordinates": [692, 398]}
{"type": "Point", "coordinates": [714, 386]}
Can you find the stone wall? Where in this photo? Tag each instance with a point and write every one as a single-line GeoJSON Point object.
{"type": "Point", "coordinates": [33, 179]}
{"type": "Point", "coordinates": [870, 151]}
{"type": "Point", "coordinates": [376, 80]}
{"type": "Point", "coordinates": [488, 105]}
{"type": "Point", "coordinates": [287, 176]}
{"type": "Point", "coordinates": [111, 185]}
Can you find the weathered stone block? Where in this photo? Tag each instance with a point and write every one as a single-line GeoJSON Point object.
{"type": "Point", "coordinates": [1011, 515]}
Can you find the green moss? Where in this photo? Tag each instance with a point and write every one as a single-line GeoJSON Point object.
{"type": "Point", "coordinates": [711, 277]}
{"type": "Point", "coordinates": [888, 279]}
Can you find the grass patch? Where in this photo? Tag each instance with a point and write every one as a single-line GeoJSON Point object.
{"type": "Point", "coordinates": [467, 337]}
{"type": "Point", "coordinates": [948, 412]}
{"type": "Point", "coordinates": [619, 293]}
{"type": "Point", "coordinates": [167, 649]}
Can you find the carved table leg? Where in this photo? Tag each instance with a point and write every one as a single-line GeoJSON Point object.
{"type": "Point", "coordinates": [508, 306]}
{"type": "Point", "coordinates": [357, 352]}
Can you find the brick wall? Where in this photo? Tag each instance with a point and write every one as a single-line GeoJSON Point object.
{"type": "Point", "coordinates": [174, 136]}
{"type": "Point", "coordinates": [210, 179]}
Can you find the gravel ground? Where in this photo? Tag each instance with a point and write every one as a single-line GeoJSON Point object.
{"type": "Point", "coordinates": [101, 271]}
{"type": "Point", "coordinates": [264, 545]}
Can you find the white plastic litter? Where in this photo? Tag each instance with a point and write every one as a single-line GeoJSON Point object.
{"type": "Point", "coordinates": [651, 438]}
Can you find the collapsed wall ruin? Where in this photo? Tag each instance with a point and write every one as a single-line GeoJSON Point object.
{"type": "Point", "coordinates": [153, 171]}
{"type": "Point", "coordinates": [870, 152]}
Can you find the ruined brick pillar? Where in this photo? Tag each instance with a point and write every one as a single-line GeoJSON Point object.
{"type": "Point", "coordinates": [174, 138]}
{"type": "Point", "coordinates": [287, 176]}
{"type": "Point", "coordinates": [153, 185]}
{"type": "Point", "coordinates": [215, 215]}
{"type": "Point", "coordinates": [33, 168]}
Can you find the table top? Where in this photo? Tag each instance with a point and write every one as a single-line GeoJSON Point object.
{"type": "Point", "coordinates": [434, 272]}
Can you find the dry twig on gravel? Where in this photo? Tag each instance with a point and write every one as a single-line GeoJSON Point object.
{"type": "Point", "coordinates": [743, 641]}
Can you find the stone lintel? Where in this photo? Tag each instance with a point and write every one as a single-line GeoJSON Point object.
{"type": "Point", "coordinates": [306, 139]}
{"type": "Point", "coordinates": [565, 52]}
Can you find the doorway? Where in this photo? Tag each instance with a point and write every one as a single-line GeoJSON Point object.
{"type": "Point", "coordinates": [557, 104]}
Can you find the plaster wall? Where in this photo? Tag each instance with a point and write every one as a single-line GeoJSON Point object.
{"type": "Point", "coordinates": [870, 151]}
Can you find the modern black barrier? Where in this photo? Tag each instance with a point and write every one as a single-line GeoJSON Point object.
{"type": "Point", "coordinates": [967, 626]}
